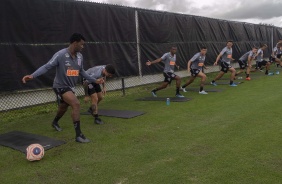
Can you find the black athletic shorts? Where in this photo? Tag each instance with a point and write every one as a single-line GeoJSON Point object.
{"type": "Point", "coordinates": [242, 64]}
{"type": "Point", "coordinates": [93, 88]}
{"type": "Point", "coordinates": [225, 67]}
{"type": "Point", "coordinates": [169, 76]}
{"type": "Point", "coordinates": [262, 63]}
{"type": "Point", "coordinates": [195, 72]}
{"type": "Point", "coordinates": [59, 93]}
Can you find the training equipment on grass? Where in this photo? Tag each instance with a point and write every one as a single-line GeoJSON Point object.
{"type": "Point", "coordinates": [224, 83]}
{"type": "Point", "coordinates": [207, 90]}
{"type": "Point", "coordinates": [21, 140]}
{"type": "Point", "coordinates": [34, 152]}
{"type": "Point", "coordinates": [172, 99]}
{"type": "Point", "coordinates": [116, 113]}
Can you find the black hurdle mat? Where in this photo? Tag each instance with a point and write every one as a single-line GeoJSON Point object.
{"type": "Point", "coordinates": [242, 78]}
{"type": "Point", "coordinates": [172, 99]}
{"type": "Point", "coordinates": [117, 113]}
{"type": "Point", "coordinates": [21, 140]}
{"type": "Point", "coordinates": [225, 82]}
{"type": "Point", "coordinates": [207, 90]}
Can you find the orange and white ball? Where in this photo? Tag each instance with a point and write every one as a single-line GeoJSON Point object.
{"type": "Point", "coordinates": [34, 152]}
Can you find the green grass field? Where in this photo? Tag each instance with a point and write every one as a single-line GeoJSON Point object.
{"type": "Point", "coordinates": [233, 136]}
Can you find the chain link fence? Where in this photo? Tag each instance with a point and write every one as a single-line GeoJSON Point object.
{"type": "Point", "coordinates": [15, 104]}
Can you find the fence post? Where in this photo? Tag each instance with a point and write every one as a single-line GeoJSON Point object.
{"type": "Point", "coordinates": [123, 86]}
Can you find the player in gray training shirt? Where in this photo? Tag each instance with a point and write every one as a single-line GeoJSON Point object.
{"type": "Point", "coordinates": [94, 90]}
{"type": "Point", "coordinates": [226, 58]}
{"type": "Point", "coordinates": [246, 61]}
{"type": "Point", "coordinates": [195, 65]}
{"type": "Point", "coordinates": [69, 65]}
{"type": "Point", "coordinates": [260, 61]}
{"type": "Point", "coordinates": [277, 53]}
{"type": "Point", "coordinates": [169, 59]}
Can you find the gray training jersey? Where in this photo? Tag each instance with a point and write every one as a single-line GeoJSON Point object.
{"type": "Point", "coordinates": [277, 50]}
{"type": "Point", "coordinates": [96, 71]}
{"type": "Point", "coordinates": [260, 55]}
{"type": "Point", "coordinates": [248, 54]}
{"type": "Point", "coordinates": [67, 69]}
{"type": "Point", "coordinates": [226, 55]}
{"type": "Point", "coordinates": [169, 62]}
{"type": "Point", "coordinates": [197, 61]}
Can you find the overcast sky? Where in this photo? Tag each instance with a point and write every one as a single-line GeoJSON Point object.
{"type": "Point", "coordinates": [253, 11]}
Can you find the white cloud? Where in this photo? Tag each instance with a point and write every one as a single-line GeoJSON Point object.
{"type": "Point", "coordinates": [259, 11]}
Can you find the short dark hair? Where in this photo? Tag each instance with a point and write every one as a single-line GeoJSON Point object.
{"type": "Point", "coordinates": [110, 69]}
{"type": "Point", "coordinates": [203, 47]}
{"type": "Point", "coordinates": [229, 41]}
{"type": "Point", "coordinates": [254, 47]}
{"type": "Point", "coordinates": [76, 37]}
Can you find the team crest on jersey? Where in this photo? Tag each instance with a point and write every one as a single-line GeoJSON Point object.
{"type": "Point", "coordinates": [67, 63]}
{"type": "Point", "coordinates": [67, 55]}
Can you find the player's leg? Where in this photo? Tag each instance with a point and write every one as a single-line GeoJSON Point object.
{"type": "Point", "coordinates": [232, 76]}
{"type": "Point", "coordinates": [70, 98]}
{"type": "Point", "coordinates": [162, 86]}
{"type": "Point", "coordinates": [167, 80]}
{"type": "Point", "coordinates": [178, 82]}
{"type": "Point", "coordinates": [190, 81]}
{"type": "Point", "coordinates": [95, 92]}
{"type": "Point", "coordinates": [202, 84]}
{"type": "Point", "coordinates": [242, 66]}
{"type": "Point", "coordinates": [62, 107]}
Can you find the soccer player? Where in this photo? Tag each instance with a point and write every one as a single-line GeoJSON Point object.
{"type": "Point", "coordinates": [195, 66]}
{"type": "Point", "coordinates": [246, 61]}
{"type": "Point", "coordinates": [260, 61]}
{"type": "Point", "coordinates": [277, 53]}
{"type": "Point", "coordinates": [69, 65]}
{"type": "Point", "coordinates": [94, 90]}
{"type": "Point", "coordinates": [226, 57]}
{"type": "Point", "coordinates": [169, 60]}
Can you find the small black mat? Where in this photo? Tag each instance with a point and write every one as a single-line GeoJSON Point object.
{"type": "Point", "coordinates": [117, 113]}
{"type": "Point", "coordinates": [242, 78]}
{"type": "Point", "coordinates": [225, 82]}
{"type": "Point", "coordinates": [21, 140]}
{"type": "Point", "coordinates": [207, 90]}
{"type": "Point", "coordinates": [172, 99]}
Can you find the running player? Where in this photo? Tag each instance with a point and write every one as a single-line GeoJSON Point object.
{"type": "Point", "coordinates": [246, 61]}
{"type": "Point", "coordinates": [226, 57]}
{"type": "Point", "coordinates": [69, 65]}
{"type": "Point", "coordinates": [260, 61]}
{"type": "Point", "coordinates": [195, 66]}
{"type": "Point", "coordinates": [169, 60]}
{"type": "Point", "coordinates": [94, 90]}
{"type": "Point", "coordinates": [277, 53]}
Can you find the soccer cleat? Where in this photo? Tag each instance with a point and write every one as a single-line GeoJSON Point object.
{"type": "Point", "coordinates": [213, 83]}
{"type": "Point", "coordinates": [82, 139]}
{"type": "Point", "coordinates": [57, 127]}
{"type": "Point", "coordinates": [233, 85]}
{"type": "Point", "coordinates": [98, 121]}
{"type": "Point", "coordinates": [154, 94]}
{"type": "Point", "coordinates": [248, 78]}
{"type": "Point", "coordinates": [183, 89]}
{"type": "Point", "coordinates": [203, 92]}
{"type": "Point", "coordinates": [179, 95]}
